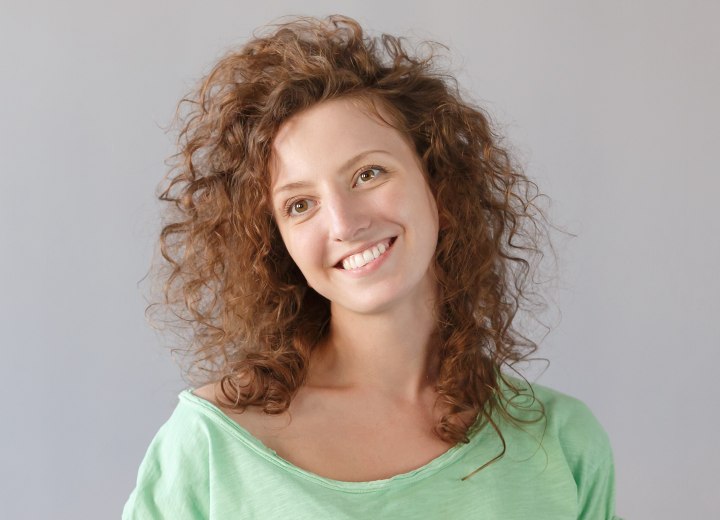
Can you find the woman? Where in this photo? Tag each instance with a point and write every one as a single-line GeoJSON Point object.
{"type": "Point", "coordinates": [350, 246]}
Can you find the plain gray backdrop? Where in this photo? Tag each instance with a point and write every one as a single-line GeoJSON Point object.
{"type": "Point", "coordinates": [612, 106]}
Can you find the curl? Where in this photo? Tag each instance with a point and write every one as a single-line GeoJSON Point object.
{"type": "Point", "coordinates": [253, 320]}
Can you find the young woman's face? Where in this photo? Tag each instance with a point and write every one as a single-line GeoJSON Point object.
{"type": "Point", "coordinates": [353, 207]}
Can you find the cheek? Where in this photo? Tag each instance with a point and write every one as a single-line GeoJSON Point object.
{"type": "Point", "coordinates": [426, 215]}
{"type": "Point", "coordinates": [302, 249]}
{"type": "Point", "coordinates": [421, 207]}
{"type": "Point", "coordinates": [427, 199]}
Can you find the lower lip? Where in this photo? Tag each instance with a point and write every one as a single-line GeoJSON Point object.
{"type": "Point", "coordinates": [373, 265]}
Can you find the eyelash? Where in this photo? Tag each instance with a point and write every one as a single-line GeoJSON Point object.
{"type": "Point", "coordinates": [287, 210]}
{"type": "Point", "coordinates": [368, 168]}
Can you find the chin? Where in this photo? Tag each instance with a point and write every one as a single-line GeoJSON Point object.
{"type": "Point", "coordinates": [370, 304]}
{"type": "Point", "coordinates": [383, 296]}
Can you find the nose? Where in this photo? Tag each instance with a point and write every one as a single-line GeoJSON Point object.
{"type": "Point", "coordinates": [347, 217]}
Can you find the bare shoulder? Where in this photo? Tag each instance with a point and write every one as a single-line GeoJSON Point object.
{"type": "Point", "coordinates": [213, 392]}
{"type": "Point", "coordinates": [252, 418]}
{"type": "Point", "coordinates": [209, 392]}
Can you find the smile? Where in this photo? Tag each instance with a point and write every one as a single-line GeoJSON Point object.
{"type": "Point", "coordinates": [358, 260]}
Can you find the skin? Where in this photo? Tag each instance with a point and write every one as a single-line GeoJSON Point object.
{"type": "Point", "coordinates": [367, 410]}
{"type": "Point", "coordinates": [339, 203]}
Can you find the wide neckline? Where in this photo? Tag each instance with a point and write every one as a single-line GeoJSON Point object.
{"type": "Point", "coordinates": [251, 441]}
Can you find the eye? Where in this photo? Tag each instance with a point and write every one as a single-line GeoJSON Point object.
{"type": "Point", "coordinates": [369, 173]}
{"type": "Point", "coordinates": [297, 207]}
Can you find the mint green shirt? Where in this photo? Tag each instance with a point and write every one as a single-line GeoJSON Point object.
{"type": "Point", "coordinates": [203, 465]}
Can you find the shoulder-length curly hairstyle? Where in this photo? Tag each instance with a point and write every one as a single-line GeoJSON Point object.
{"type": "Point", "coordinates": [254, 319]}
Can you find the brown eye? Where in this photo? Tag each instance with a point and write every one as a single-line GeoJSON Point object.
{"type": "Point", "coordinates": [298, 207]}
{"type": "Point", "coordinates": [366, 176]}
{"type": "Point", "coordinates": [369, 174]}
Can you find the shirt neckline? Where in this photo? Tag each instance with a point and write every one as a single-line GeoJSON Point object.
{"type": "Point", "coordinates": [233, 428]}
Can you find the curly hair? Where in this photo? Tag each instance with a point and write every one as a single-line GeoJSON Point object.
{"type": "Point", "coordinates": [253, 318]}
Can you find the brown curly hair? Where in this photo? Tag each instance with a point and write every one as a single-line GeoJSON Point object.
{"type": "Point", "coordinates": [229, 276]}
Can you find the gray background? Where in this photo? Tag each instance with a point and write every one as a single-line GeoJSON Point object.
{"type": "Point", "coordinates": [612, 106]}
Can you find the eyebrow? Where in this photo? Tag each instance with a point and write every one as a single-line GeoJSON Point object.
{"type": "Point", "coordinates": [347, 164]}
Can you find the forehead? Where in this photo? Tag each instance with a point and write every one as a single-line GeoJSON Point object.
{"type": "Point", "coordinates": [327, 134]}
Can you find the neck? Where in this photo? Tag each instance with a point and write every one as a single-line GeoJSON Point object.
{"type": "Point", "coordinates": [388, 355]}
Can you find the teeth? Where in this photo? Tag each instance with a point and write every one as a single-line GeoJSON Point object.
{"type": "Point", "coordinates": [360, 259]}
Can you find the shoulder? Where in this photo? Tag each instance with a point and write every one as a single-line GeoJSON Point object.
{"type": "Point", "coordinates": [181, 441]}
{"type": "Point", "coordinates": [578, 431]}
{"type": "Point", "coordinates": [572, 435]}
{"type": "Point", "coordinates": [175, 466]}
{"type": "Point", "coordinates": [569, 415]}
{"type": "Point", "coordinates": [208, 392]}
{"type": "Point", "coordinates": [564, 416]}
{"type": "Point", "coordinates": [214, 394]}
{"type": "Point", "coordinates": [565, 425]}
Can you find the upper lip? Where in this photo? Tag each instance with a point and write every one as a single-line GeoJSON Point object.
{"type": "Point", "coordinates": [360, 249]}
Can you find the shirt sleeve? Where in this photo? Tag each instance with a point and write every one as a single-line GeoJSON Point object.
{"type": "Point", "coordinates": [596, 490]}
{"type": "Point", "coordinates": [591, 459]}
{"type": "Point", "coordinates": [172, 481]}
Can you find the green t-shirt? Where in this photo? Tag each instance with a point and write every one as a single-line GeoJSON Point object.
{"type": "Point", "coordinates": [203, 465]}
